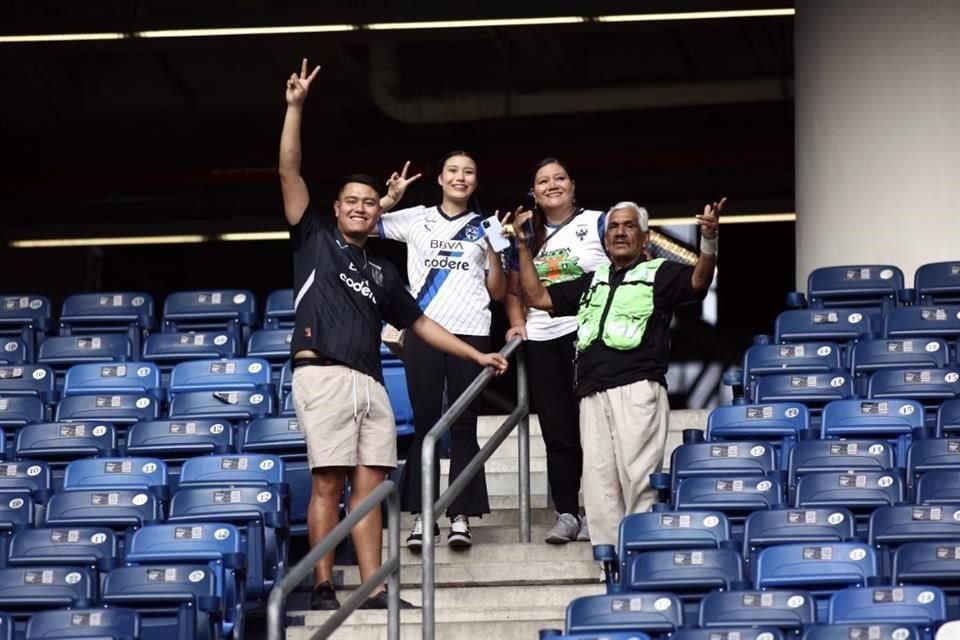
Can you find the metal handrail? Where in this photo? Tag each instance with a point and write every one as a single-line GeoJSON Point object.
{"type": "Point", "coordinates": [518, 418]}
{"type": "Point", "coordinates": [389, 570]}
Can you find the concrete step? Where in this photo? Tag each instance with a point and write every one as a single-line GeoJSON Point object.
{"type": "Point", "coordinates": [460, 630]}
{"type": "Point", "coordinates": [501, 476]}
{"type": "Point", "coordinates": [497, 517]}
{"type": "Point", "coordinates": [498, 534]}
{"type": "Point", "coordinates": [460, 614]}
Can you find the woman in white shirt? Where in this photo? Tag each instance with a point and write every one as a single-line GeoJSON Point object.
{"type": "Point", "coordinates": [453, 275]}
{"type": "Point", "coordinates": [568, 241]}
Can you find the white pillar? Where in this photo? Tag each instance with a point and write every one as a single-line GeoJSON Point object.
{"type": "Point", "coordinates": [877, 133]}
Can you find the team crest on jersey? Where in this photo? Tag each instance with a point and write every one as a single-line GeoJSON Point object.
{"type": "Point", "coordinates": [471, 233]}
{"type": "Point", "coordinates": [581, 232]}
{"type": "Point", "coordinates": [428, 222]}
{"type": "Point", "coordinates": [376, 273]}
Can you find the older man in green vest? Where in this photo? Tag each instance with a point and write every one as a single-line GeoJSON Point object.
{"type": "Point", "coordinates": [623, 348]}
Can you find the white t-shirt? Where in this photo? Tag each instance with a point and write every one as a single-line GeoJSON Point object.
{"type": "Point", "coordinates": [575, 249]}
{"type": "Point", "coordinates": [446, 264]}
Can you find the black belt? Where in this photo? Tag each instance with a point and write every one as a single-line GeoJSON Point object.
{"type": "Point", "coordinates": [315, 362]}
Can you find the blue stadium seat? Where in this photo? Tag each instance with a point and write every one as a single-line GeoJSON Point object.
{"type": "Point", "coordinates": [942, 321]}
{"type": "Point", "coordinates": [862, 632]}
{"type": "Point", "coordinates": [736, 496]}
{"type": "Point", "coordinates": [27, 590]}
{"type": "Point", "coordinates": [686, 571]}
{"type": "Point", "coordinates": [858, 491]}
{"type": "Point", "coordinates": [784, 609]}
{"type": "Point", "coordinates": [938, 283]}
{"type": "Point", "coordinates": [279, 313]}
{"type": "Point", "coordinates": [93, 547]}
{"type": "Point", "coordinates": [874, 287]}
{"type": "Point", "coordinates": [147, 474]}
{"type": "Point", "coordinates": [892, 420]}
{"type": "Point", "coordinates": [13, 351]}
{"type": "Point", "coordinates": [246, 469]}
{"type": "Point", "coordinates": [812, 389]}
{"type": "Point", "coordinates": [924, 606]}
{"type": "Point", "coordinates": [395, 380]}
{"type": "Point", "coordinates": [932, 454]}
{"type": "Point", "coordinates": [893, 526]}
{"type": "Point", "coordinates": [27, 477]}
{"type": "Point", "coordinates": [785, 526]}
{"type": "Point", "coordinates": [272, 345]}
{"type": "Point", "coordinates": [739, 633]}
{"type": "Point", "coordinates": [17, 411]}
{"type": "Point", "coordinates": [141, 378]}
{"type": "Point", "coordinates": [119, 409]}
{"type": "Point", "coordinates": [58, 443]}
{"type": "Point", "coordinates": [948, 417]}
{"type": "Point", "coordinates": [214, 375]}
{"type": "Point", "coordinates": [233, 310]}
{"type": "Point", "coordinates": [123, 510]}
{"type": "Point", "coordinates": [886, 353]}
{"type": "Point", "coordinates": [259, 512]}
{"type": "Point", "coordinates": [804, 357]}
{"type": "Point", "coordinates": [169, 349]}
{"type": "Point", "coordinates": [175, 441]}
{"type": "Point", "coordinates": [933, 563]}
{"type": "Point", "coordinates": [283, 438]}
{"type": "Point", "coordinates": [842, 326]}
{"type": "Point", "coordinates": [929, 386]}
{"type": "Point", "coordinates": [779, 424]}
{"type": "Point", "coordinates": [217, 545]}
{"type": "Point", "coordinates": [811, 456]}
{"type": "Point", "coordinates": [17, 513]}
{"type": "Point", "coordinates": [175, 601]}
{"type": "Point", "coordinates": [128, 312]}
{"type": "Point", "coordinates": [26, 317]}
{"type": "Point", "coordinates": [233, 405]}
{"type": "Point", "coordinates": [646, 612]}
{"type": "Point", "coordinates": [62, 352]}
{"type": "Point", "coordinates": [938, 487]}
{"type": "Point", "coordinates": [716, 459]}
{"type": "Point", "coordinates": [116, 623]}
{"type": "Point", "coordinates": [28, 380]}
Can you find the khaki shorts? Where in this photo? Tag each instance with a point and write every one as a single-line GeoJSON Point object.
{"type": "Point", "coordinates": [345, 416]}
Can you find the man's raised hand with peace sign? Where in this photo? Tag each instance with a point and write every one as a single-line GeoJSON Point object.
{"type": "Point", "coordinates": [298, 85]}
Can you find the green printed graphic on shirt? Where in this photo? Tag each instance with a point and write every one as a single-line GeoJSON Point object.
{"type": "Point", "coordinates": [557, 266]}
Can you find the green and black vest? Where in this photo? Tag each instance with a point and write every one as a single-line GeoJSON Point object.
{"type": "Point", "coordinates": [620, 319]}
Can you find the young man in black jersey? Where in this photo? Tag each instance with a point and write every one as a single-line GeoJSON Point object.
{"type": "Point", "coordinates": [342, 295]}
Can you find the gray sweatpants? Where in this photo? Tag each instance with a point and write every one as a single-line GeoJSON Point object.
{"type": "Point", "coordinates": [623, 432]}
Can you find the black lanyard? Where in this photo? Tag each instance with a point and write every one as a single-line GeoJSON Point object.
{"type": "Point", "coordinates": [557, 229]}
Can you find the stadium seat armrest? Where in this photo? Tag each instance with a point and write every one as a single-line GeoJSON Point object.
{"type": "Point", "coordinates": [659, 481]}
{"type": "Point", "coordinates": [235, 561]}
{"type": "Point", "coordinates": [605, 553]}
{"type": "Point", "coordinates": [907, 297]}
{"type": "Point", "coordinates": [550, 633]}
{"type": "Point", "coordinates": [733, 377]}
{"type": "Point", "coordinates": [276, 520]}
{"type": "Point", "coordinates": [796, 300]}
{"type": "Point", "coordinates": [212, 605]}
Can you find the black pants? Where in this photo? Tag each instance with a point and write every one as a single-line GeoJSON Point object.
{"type": "Point", "coordinates": [427, 369]}
{"type": "Point", "coordinates": [550, 371]}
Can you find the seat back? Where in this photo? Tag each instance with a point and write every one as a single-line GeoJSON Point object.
{"type": "Point", "coordinates": [861, 286]}
{"type": "Point", "coordinates": [148, 474]}
{"type": "Point", "coordinates": [900, 524]}
{"type": "Point", "coordinates": [925, 606]}
{"type": "Point", "coordinates": [645, 612]}
{"type": "Point", "coordinates": [923, 321]}
{"type": "Point", "coordinates": [141, 378]}
{"type": "Point", "coordinates": [929, 386]}
{"type": "Point", "coordinates": [739, 633]}
{"type": "Point", "coordinates": [811, 456]}
{"type": "Point", "coordinates": [804, 357]}
{"type": "Point", "coordinates": [892, 419]}
{"type": "Point", "coordinates": [938, 283]}
{"type": "Point", "coordinates": [214, 375]}
{"type": "Point", "coordinates": [735, 496]}
{"type": "Point", "coordinates": [813, 389]}
{"type": "Point", "coordinates": [832, 325]}
{"type": "Point", "coordinates": [66, 440]}
{"type": "Point", "coordinates": [94, 547]}
{"type": "Point", "coordinates": [27, 379]}
{"type": "Point", "coordinates": [104, 622]}
{"type": "Point", "coordinates": [118, 509]}
{"type": "Point", "coordinates": [814, 566]}
{"type": "Point", "coordinates": [891, 353]}
{"type": "Point", "coordinates": [239, 405]}
{"type": "Point", "coordinates": [272, 345]}
{"type": "Point", "coordinates": [932, 454]}
{"type": "Point", "coordinates": [16, 411]}
{"type": "Point", "coordinates": [280, 313]}
{"type": "Point", "coordinates": [720, 458]}
{"type": "Point", "coordinates": [859, 491]}
{"type": "Point", "coordinates": [168, 349]}
{"type": "Point", "coordinates": [129, 312]}
{"type": "Point", "coordinates": [683, 571]}
{"type": "Point", "coordinates": [672, 530]}
{"type": "Point", "coordinates": [785, 609]}
{"type": "Point", "coordinates": [14, 351]}
{"type": "Point", "coordinates": [248, 469]}
{"type": "Point", "coordinates": [232, 309]}
{"type": "Point", "coordinates": [179, 439]}
{"type": "Point", "coordinates": [934, 563]}
{"type": "Point", "coordinates": [939, 487]}
{"type": "Point", "coordinates": [27, 476]}
{"type": "Point", "coordinates": [867, 632]}
{"type": "Point", "coordinates": [42, 588]}
{"type": "Point", "coordinates": [784, 526]}
{"type": "Point", "coordinates": [778, 423]}
{"type": "Point", "coordinates": [948, 417]}
{"type": "Point", "coordinates": [16, 512]}
{"type": "Point", "coordinates": [120, 409]}
{"type": "Point", "coordinates": [27, 317]}
{"type": "Point", "coordinates": [61, 352]}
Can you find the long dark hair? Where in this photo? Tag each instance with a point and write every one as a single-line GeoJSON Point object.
{"type": "Point", "coordinates": [473, 204]}
{"type": "Point", "coordinates": [539, 219]}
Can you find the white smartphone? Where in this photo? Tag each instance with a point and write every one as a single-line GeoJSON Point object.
{"type": "Point", "coordinates": [494, 232]}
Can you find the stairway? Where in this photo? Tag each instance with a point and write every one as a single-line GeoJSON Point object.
{"type": "Point", "coordinates": [499, 588]}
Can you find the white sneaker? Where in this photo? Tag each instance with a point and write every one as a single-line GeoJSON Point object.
{"type": "Point", "coordinates": [459, 536]}
{"type": "Point", "coordinates": [415, 539]}
{"type": "Point", "coordinates": [584, 534]}
{"type": "Point", "coordinates": [564, 530]}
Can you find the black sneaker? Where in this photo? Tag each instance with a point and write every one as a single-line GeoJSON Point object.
{"type": "Point", "coordinates": [379, 601]}
{"type": "Point", "coordinates": [324, 598]}
{"type": "Point", "coordinates": [415, 539]}
{"type": "Point", "coordinates": [459, 536]}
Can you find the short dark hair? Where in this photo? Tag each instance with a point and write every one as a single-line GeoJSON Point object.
{"type": "Point", "coordinates": [360, 178]}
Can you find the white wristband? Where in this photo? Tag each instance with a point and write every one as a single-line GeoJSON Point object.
{"type": "Point", "coordinates": [708, 246]}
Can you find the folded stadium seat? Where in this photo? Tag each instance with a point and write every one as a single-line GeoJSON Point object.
{"type": "Point", "coordinates": [141, 378]}
{"type": "Point", "coordinates": [95, 548]}
{"type": "Point", "coordinates": [258, 512]}
{"type": "Point", "coordinates": [122, 410]}
{"type": "Point", "coordinates": [804, 357]}
{"type": "Point", "coordinates": [17, 513]}
{"type": "Point", "coordinates": [214, 375]}
{"type": "Point", "coordinates": [929, 386]}
{"type": "Point", "coordinates": [272, 345]}
{"type": "Point", "coordinates": [170, 349]}
{"type": "Point", "coordinates": [19, 411]}
{"type": "Point", "coordinates": [860, 491]}
{"type": "Point", "coordinates": [740, 633]}
{"type": "Point", "coordinates": [779, 424]}
{"type": "Point", "coordinates": [279, 313]}
{"type": "Point", "coordinates": [27, 477]}
{"type": "Point", "coordinates": [885, 353]}
{"type": "Point", "coordinates": [395, 380]}
{"type": "Point", "coordinates": [62, 352]}
{"type": "Point", "coordinates": [932, 454]}
{"type": "Point", "coordinates": [175, 441]}
{"type": "Point", "coordinates": [811, 456]}
{"type": "Point", "coordinates": [215, 546]}
{"type": "Point", "coordinates": [13, 351]}
{"type": "Point", "coordinates": [287, 409]}
{"type": "Point", "coordinates": [788, 610]}
{"type": "Point", "coordinates": [175, 601]}
{"type": "Point", "coordinates": [122, 510]}
{"type": "Point", "coordinates": [819, 568]}
{"type": "Point", "coordinates": [938, 283]}
{"type": "Point", "coordinates": [933, 563]}
{"type": "Point", "coordinates": [948, 418]}
{"type": "Point", "coordinates": [938, 487]}
{"type": "Point", "coordinates": [942, 321]}
{"type": "Point", "coordinates": [146, 474]}
{"type": "Point", "coordinates": [735, 496]}
{"type": "Point", "coordinates": [866, 632]}
{"type": "Point", "coordinates": [891, 527]}
{"type": "Point", "coordinates": [717, 459]}
{"type": "Point", "coordinates": [238, 470]}
{"type": "Point", "coordinates": [59, 443]}
{"type": "Point", "coordinates": [892, 420]}
{"type": "Point", "coordinates": [129, 312]}
{"type": "Point", "coordinates": [812, 389]}
{"type": "Point", "coordinates": [230, 405]}
{"type": "Point", "coordinates": [651, 613]}
{"type": "Point", "coordinates": [232, 310]}
{"type": "Point", "coordinates": [28, 380]}
{"type": "Point", "coordinates": [27, 317]}
{"type": "Point", "coordinates": [283, 438]}
{"type": "Point", "coordinates": [28, 590]}
{"type": "Point", "coordinates": [840, 326]}
{"type": "Point", "coordinates": [786, 526]}
{"type": "Point", "coordinates": [872, 288]}
{"type": "Point", "coordinates": [920, 605]}
{"type": "Point", "coordinates": [104, 622]}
